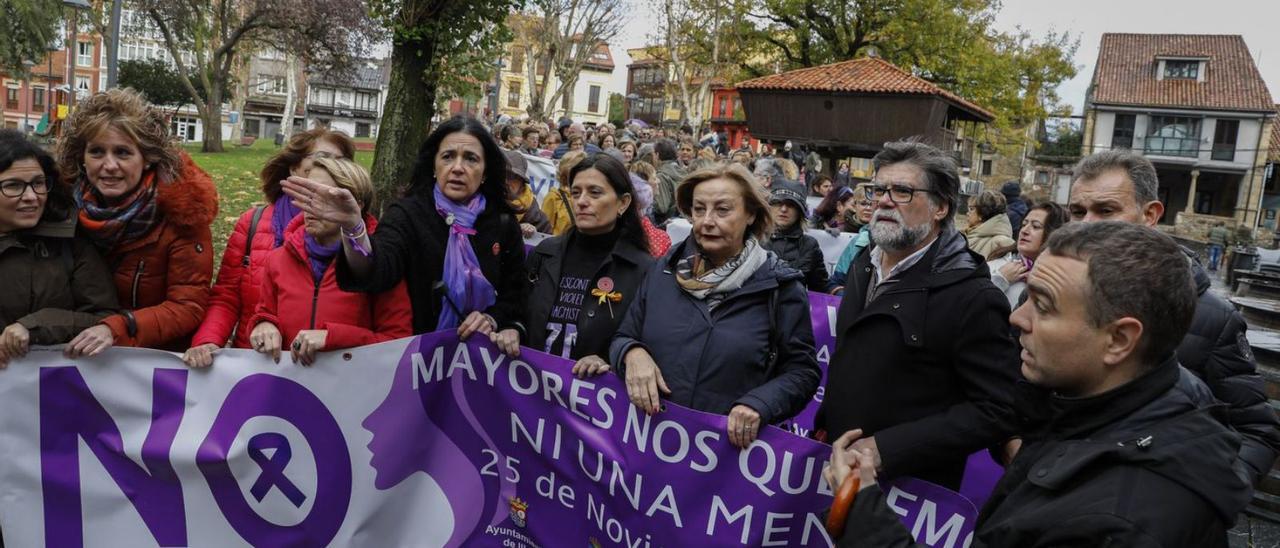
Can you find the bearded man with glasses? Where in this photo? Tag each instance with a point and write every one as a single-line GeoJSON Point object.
{"type": "Point", "coordinates": [924, 366]}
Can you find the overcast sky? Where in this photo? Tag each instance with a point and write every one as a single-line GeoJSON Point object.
{"type": "Point", "coordinates": [1257, 20]}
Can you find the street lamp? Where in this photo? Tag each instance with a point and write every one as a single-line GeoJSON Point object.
{"type": "Point", "coordinates": [27, 65]}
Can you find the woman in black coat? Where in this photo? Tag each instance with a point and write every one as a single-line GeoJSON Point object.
{"type": "Point", "coordinates": [452, 238]}
{"type": "Point", "coordinates": [789, 242]}
{"type": "Point", "coordinates": [580, 284]}
{"type": "Point", "coordinates": [721, 324]}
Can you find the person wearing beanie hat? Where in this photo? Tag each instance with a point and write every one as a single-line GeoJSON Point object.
{"type": "Point", "coordinates": [789, 242]}
{"type": "Point", "coordinates": [1015, 206]}
{"type": "Point", "coordinates": [520, 196]}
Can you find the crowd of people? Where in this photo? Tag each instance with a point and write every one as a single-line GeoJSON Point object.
{"type": "Point", "coordinates": [1089, 358]}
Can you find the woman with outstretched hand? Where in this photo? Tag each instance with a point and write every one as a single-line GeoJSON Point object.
{"type": "Point", "coordinates": [452, 238]}
{"type": "Point", "coordinates": [300, 305]}
{"type": "Point", "coordinates": [259, 230]}
{"type": "Point", "coordinates": [721, 324]}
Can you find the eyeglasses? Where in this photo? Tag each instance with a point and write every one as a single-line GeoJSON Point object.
{"type": "Point", "coordinates": [900, 194]}
{"type": "Point", "coordinates": [15, 188]}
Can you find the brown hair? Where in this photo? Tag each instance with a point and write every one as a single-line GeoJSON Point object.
{"type": "Point", "coordinates": [297, 149]}
{"type": "Point", "coordinates": [753, 198]}
{"type": "Point", "coordinates": [567, 162]}
{"type": "Point", "coordinates": [351, 176]}
{"type": "Point", "coordinates": [129, 113]}
{"type": "Point", "coordinates": [1055, 216]}
{"type": "Point", "coordinates": [644, 170]}
{"type": "Point", "coordinates": [988, 204]}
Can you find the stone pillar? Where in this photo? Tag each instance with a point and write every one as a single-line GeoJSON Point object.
{"type": "Point", "coordinates": [1191, 192]}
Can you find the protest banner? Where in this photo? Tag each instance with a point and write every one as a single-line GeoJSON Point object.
{"type": "Point", "coordinates": [542, 175]}
{"type": "Point", "coordinates": [131, 448]}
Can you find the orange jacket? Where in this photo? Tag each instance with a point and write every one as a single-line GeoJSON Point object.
{"type": "Point", "coordinates": [163, 277]}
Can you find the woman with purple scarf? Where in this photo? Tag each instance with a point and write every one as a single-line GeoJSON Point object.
{"type": "Point", "coordinates": [260, 229]}
{"type": "Point", "coordinates": [300, 306]}
{"type": "Point", "coordinates": [453, 238]}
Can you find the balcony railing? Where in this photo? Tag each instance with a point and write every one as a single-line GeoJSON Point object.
{"type": "Point", "coordinates": [1173, 146]}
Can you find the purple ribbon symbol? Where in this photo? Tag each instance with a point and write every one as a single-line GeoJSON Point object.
{"type": "Point", "coordinates": [273, 467]}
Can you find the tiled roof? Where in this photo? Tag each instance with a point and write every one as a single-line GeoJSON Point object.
{"type": "Point", "coordinates": [601, 58]}
{"type": "Point", "coordinates": [1126, 73]}
{"type": "Point", "coordinates": [862, 75]}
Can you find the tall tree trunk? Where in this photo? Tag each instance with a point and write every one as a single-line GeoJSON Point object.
{"type": "Point", "coordinates": [406, 117]}
{"type": "Point", "coordinates": [291, 95]}
{"type": "Point", "coordinates": [239, 94]}
{"type": "Point", "coordinates": [211, 116]}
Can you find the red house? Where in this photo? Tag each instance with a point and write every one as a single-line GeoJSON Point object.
{"type": "Point", "coordinates": [728, 115]}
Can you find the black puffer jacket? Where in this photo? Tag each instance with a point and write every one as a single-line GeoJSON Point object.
{"type": "Point", "coordinates": [1146, 464]}
{"type": "Point", "coordinates": [1217, 350]}
{"type": "Point", "coordinates": [715, 359]}
{"type": "Point", "coordinates": [803, 253]}
{"type": "Point", "coordinates": [927, 367]}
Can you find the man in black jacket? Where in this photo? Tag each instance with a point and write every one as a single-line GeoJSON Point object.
{"type": "Point", "coordinates": [1122, 186]}
{"type": "Point", "coordinates": [1136, 451]}
{"type": "Point", "coordinates": [924, 364]}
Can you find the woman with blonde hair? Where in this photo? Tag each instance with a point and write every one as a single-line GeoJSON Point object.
{"type": "Point", "coordinates": [300, 302]}
{"type": "Point", "coordinates": [147, 207]}
{"type": "Point", "coordinates": [259, 230]}
{"type": "Point", "coordinates": [556, 206]}
{"type": "Point", "coordinates": [730, 331]}
{"type": "Point", "coordinates": [789, 169]}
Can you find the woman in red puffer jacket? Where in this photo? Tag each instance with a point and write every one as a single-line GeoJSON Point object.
{"type": "Point", "coordinates": [300, 304]}
{"type": "Point", "coordinates": [235, 295]}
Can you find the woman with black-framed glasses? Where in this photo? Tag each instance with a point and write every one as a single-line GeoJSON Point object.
{"type": "Point", "coordinates": [56, 284]}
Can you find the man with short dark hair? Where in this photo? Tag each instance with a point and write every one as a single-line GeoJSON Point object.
{"type": "Point", "coordinates": [924, 367]}
{"type": "Point", "coordinates": [531, 141]}
{"type": "Point", "coordinates": [1121, 185]}
{"type": "Point", "coordinates": [1134, 454]}
{"type": "Point", "coordinates": [670, 173]}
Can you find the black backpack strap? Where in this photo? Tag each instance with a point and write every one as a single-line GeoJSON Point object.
{"type": "Point", "coordinates": [253, 231]}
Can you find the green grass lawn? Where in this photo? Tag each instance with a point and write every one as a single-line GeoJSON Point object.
{"type": "Point", "coordinates": [236, 174]}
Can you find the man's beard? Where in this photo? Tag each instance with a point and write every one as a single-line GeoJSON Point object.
{"type": "Point", "coordinates": [896, 236]}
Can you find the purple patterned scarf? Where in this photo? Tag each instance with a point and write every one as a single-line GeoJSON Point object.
{"type": "Point", "coordinates": [465, 288]}
{"type": "Point", "coordinates": [282, 213]}
{"type": "Point", "coordinates": [320, 256]}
